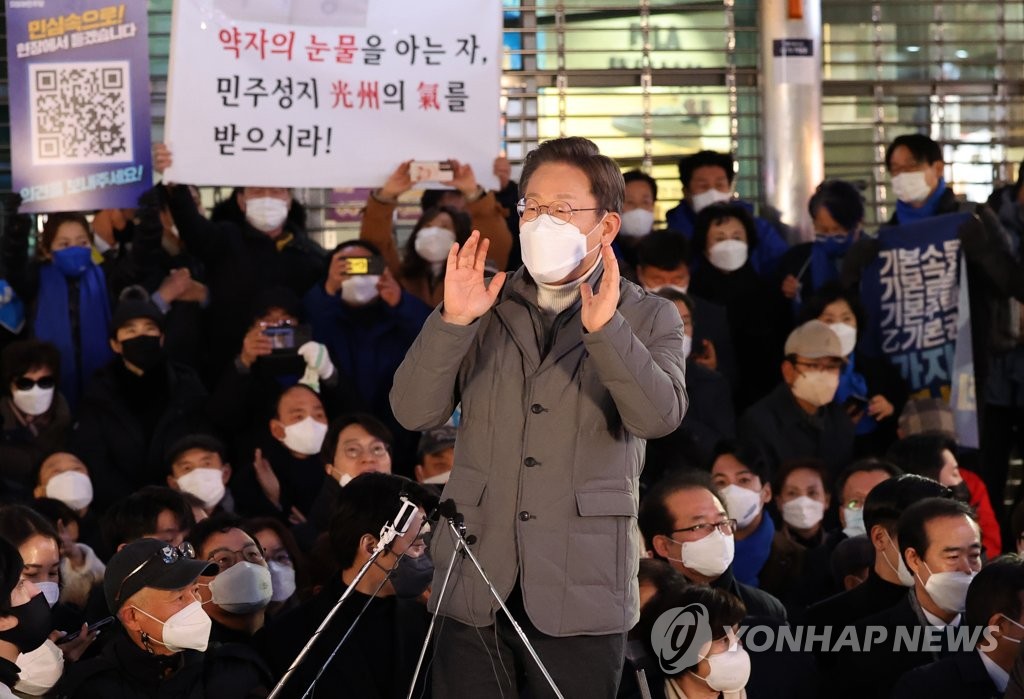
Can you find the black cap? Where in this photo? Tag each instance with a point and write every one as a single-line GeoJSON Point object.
{"type": "Point", "coordinates": [143, 563]}
{"type": "Point", "coordinates": [132, 308]}
{"type": "Point", "coordinates": [437, 439]}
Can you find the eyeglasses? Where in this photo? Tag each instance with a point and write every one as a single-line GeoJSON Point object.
{"type": "Point", "coordinates": [24, 383]}
{"type": "Point", "coordinates": [560, 212]}
{"type": "Point", "coordinates": [726, 526]}
{"type": "Point", "coordinates": [830, 367]}
{"type": "Point", "coordinates": [225, 558]}
{"type": "Point", "coordinates": [377, 450]}
{"type": "Point", "coordinates": [168, 554]}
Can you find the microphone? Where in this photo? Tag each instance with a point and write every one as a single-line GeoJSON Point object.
{"type": "Point", "coordinates": [448, 510]}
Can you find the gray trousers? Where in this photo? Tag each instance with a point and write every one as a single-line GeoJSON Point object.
{"type": "Point", "coordinates": [492, 661]}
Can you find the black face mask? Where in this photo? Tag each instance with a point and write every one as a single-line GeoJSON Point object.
{"type": "Point", "coordinates": [34, 624]}
{"type": "Point", "coordinates": [412, 576]}
{"type": "Point", "coordinates": [143, 351]}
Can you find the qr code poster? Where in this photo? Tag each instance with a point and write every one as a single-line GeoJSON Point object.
{"type": "Point", "coordinates": [331, 93]}
{"type": "Point", "coordinates": [81, 113]}
{"type": "Point", "coordinates": [79, 96]}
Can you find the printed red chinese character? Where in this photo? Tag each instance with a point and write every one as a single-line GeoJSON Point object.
{"type": "Point", "coordinates": [428, 96]}
{"type": "Point", "coordinates": [369, 95]}
{"type": "Point", "coordinates": [341, 93]}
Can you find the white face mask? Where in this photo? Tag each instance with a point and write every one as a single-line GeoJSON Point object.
{"type": "Point", "coordinates": [706, 199]}
{"type": "Point", "coordinates": [188, 628]}
{"type": "Point", "coordinates": [948, 590]}
{"type": "Point", "coordinates": [305, 436]}
{"type": "Point", "coordinates": [282, 580]}
{"type": "Point", "coordinates": [743, 504]}
{"type": "Point", "coordinates": [911, 187]}
{"type": "Point", "coordinates": [73, 488]}
{"type": "Point", "coordinates": [207, 484]}
{"type": "Point", "coordinates": [674, 287]}
{"type": "Point", "coordinates": [847, 335]}
{"type": "Point", "coordinates": [266, 213]}
{"type": "Point", "coordinates": [243, 588]}
{"type": "Point", "coordinates": [50, 590]}
{"type": "Point", "coordinates": [551, 251]}
{"type": "Point", "coordinates": [433, 243]}
{"type": "Point", "coordinates": [360, 290]}
{"type": "Point", "coordinates": [687, 346]}
{"type": "Point", "coordinates": [816, 387]}
{"type": "Point", "coordinates": [803, 512]}
{"type": "Point", "coordinates": [730, 670]}
{"type": "Point", "coordinates": [906, 578]}
{"type": "Point", "coordinates": [34, 401]}
{"type": "Point", "coordinates": [1003, 636]}
{"type": "Point", "coordinates": [637, 223]}
{"type": "Point", "coordinates": [709, 556]}
{"type": "Point", "coordinates": [40, 669]}
{"type": "Point", "coordinates": [728, 255]}
{"type": "Point", "coordinates": [854, 522]}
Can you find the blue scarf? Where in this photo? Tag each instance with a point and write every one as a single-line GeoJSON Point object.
{"type": "Point", "coordinates": [853, 384]}
{"type": "Point", "coordinates": [53, 324]}
{"type": "Point", "coordinates": [905, 213]}
{"type": "Point", "coordinates": [753, 552]}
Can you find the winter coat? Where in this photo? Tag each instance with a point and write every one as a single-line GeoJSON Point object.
{"type": "Point", "coordinates": [549, 451]}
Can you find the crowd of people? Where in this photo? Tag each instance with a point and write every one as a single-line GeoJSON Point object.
{"type": "Point", "coordinates": [203, 434]}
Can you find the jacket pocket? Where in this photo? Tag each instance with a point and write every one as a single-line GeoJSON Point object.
{"type": "Point", "coordinates": [464, 491]}
{"type": "Point", "coordinates": [605, 503]}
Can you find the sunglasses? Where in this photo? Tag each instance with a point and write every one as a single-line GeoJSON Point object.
{"type": "Point", "coordinates": [23, 383]}
{"type": "Point", "coordinates": [168, 554]}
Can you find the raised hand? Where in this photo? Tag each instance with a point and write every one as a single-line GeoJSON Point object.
{"type": "Point", "coordinates": [466, 295]}
{"type": "Point", "coordinates": [598, 309]}
{"type": "Point", "coordinates": [463, 178]}
{"type": "Point", "coordinates": [398, 182]}
{"type": "Point", "coordinates": [267, 479]}
{"type": "Point", "coordinates": [389, 288]}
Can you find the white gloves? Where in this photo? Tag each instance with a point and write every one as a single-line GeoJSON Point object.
{"type": "Point", "coordinates": [318, 364]}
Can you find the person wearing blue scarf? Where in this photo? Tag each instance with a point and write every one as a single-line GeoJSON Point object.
{"type": "Point", "coordinates": [837, 211]}
{"type": "Point", "coordinates": [740, 476]}
{"type": "Point", "coordinates": [72, 306]}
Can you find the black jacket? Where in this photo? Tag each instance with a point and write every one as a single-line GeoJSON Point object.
{"type": "Point", "coordinates": [962, 675]}
{"type": "Point", "coordinates": [125, 671]}
{"type": "Point", "coordinates": [870, 597]}
{"type": "Point", "coordinates": [875, 673]}
{"type": "Point", "coordinates": [22, 449]}
{"type": "Point", "coordinates": [781, 430]}
{"type": "Point", "coordinates": [711, 322]}
{"type": "Point", "coordinates": [758, 602]}
{"type": "Point", "coordinates": [709, 419]}
{"type": "Point", "coordinates": [240, 261]}
{"type": "Point", "coordinates": [375, 662]}
{"type": "Point", "coordinates": [127, 424]}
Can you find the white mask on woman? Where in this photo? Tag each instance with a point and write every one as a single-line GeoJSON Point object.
{"type": "Point", "coordinates": [637, 223]}
{"type": "Point", "coordinates": [433, 243]}
{"type": "Point", "coordinates": [728, 255]}
{"type": "Point", "coordinates": [360, 290]}
{"type": "Point", "coordinates": [803, 512]}
{"type": "Point", "coordinates": [40, 669]}
{"type": "Point", "coordinates": [34, 401]}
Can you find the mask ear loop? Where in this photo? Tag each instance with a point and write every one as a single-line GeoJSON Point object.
{"type": "Point", "coordinates": [145, 643]}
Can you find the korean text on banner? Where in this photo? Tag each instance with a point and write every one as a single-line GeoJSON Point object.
{"type": "Point", "coordinates": [79, 102]}
{"type": "Point", "coordinates": [312, 94]}
{"type": "Point", "coordinates": [911, 293]}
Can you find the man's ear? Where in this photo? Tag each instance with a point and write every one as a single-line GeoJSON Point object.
{"type": "Point", "coordinates": [610, 227]}
{"type": "Point", "coordinates": [39, 491]}
{"type": "Point", "coordinates": [913, 561]}
{"type": "Point", "coordinates": [938, 169]}
{"type": "Point", "coordinates": [115, 345]}
{"type": "Point", "coordinates": [851, 581]}
{"type": "Point", "coordinates": [418, 472]}
{"type": "Point", "coordinates": [788, 372]}
{"type": "Point", "coordinates": [878, 536]}
{"type": "Point", "coordinates": [766, 494]}
{"type": "Point", "coordinates": [277, 429]}
{"type": "Point", "coordinates": [129, 618]}
{"type": "Point", "coordinates": [661, 544]}
{"type": "Point", "coordinates": [225, 473]}
{"type": "Point", "coordinates": [172, 483]}
{"type": "Point", "coordinates": [367, 542]}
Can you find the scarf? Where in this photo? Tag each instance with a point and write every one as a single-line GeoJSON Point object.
{"type": "Point", "coordinates": [53, 324]}
{"type": "Point", "coordinates": [905, 213]}
{"type": "Point", "coordinates": [752, 553]}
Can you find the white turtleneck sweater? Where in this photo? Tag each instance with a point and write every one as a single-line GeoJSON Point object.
{"type": "Point", "coordinates": [555, 298]}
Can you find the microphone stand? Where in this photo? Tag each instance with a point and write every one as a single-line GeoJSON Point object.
{"type": "Point", "coordinates": [457, 525]}
{"type": "Point", "coordinates": [388, 534]}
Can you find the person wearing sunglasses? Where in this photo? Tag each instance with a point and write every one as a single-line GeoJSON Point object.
{"type": "Point", "coordinates": [161, 646]}
{"type": "Point", "coordinates": [36, 417]}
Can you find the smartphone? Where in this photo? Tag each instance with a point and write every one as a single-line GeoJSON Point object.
{"type": "Point", "coordinates": [857, 404]}
{"type": "Point", "coordinates": [282, 337]}
{"type": "Point", "coordinates": [431, 171]}
{"type": "Point", "coordinates": [92, 627]}
{"type": "Point", "coordinates": [364, 265]}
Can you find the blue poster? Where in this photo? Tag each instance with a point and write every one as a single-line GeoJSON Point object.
{"type": "Point", "coordinates": [911, 294]}
{"type": "Point", "coordinates": [79, 101]}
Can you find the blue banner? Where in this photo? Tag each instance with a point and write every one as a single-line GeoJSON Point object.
{"type": "Point", "coordinates": [79, 102]}
{"type": "Point", "coordinates": [911, 293]}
